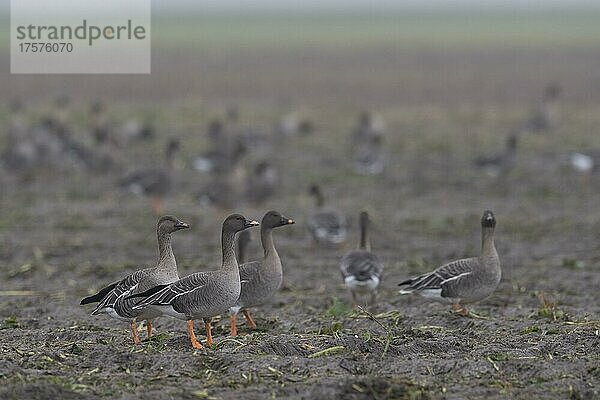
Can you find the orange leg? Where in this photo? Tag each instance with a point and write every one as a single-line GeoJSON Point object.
{"type": "Point", "coordinates": [195, 343]}
{"type": "Point", "coordinates": [249, 319]}
{"type": "Point", "coordinates": [208, 328]}
{"type": "Point", "coordinates": [156, 205]}
{"type": "Point", "coordinates": [233, 322]}
{"type": "Point", "coordinates": [134, 333]}
{"type": "Point", "coordinates": [149, 326]}
{"type": "Point", "coordinates": [458, 309]}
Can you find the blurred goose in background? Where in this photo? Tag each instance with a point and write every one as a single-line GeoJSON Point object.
{"type": "Point", "coordinates": [154, 182]}
{"type": "Point", "coordinates": [292, 124]}
{"type": "Point", "coordinates": [585, 161]}
{"type": "Point", "coordinates": [370, 125]}
{"type": "Point", "coordinates": [464, 281]}
{"type": "Point", "coordinates": [225, 151]}
{"type": "Point", "coordinates": [260, 279]}
{"type": "Point", "coordinates": [546, 117]}
{"type": "Point", "coordinates": [202, 295]}
{"type": "Point", "coordinates": [369, 156]}
{"type": "Point", "coordinates": [99, 126]}
{"type": "Point", "coordinates": [502, 162]}
{"type": "Point", "coordinates": [327, 226]}
{"type": "Point", "coordinates": [361, 269]}
{"type": "Point", "coordinates": [262, 182]}
{"type": "Point", "coordinates": [113, 298]}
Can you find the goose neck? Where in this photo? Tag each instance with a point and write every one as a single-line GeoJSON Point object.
{"type": "Point", "coordinates": [228, 249]}
{"type": "Point", "coordinates": [165, 251]}
{"type": "Point", "coordinates": [266, 238]}
{"type": "Point", "coordinates": [487, 242]}
{"type": "Point", "coordinates": [365, 243]}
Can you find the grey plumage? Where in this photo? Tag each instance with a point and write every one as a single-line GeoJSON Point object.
{"type": "Point", "coordinates": [463, 281]}
{"type": "Point", "coordinates": [113, 299]}
{"type": "Point", "coordinates": [260, 279]}
{"type": "Point", "coordinates": [326, 225]}
{"type": "Point", "coordinates": [361, 269]}
{"type": "Point", "coordinates": [502, 162]}
{"type": "Point", "coordinates": [204, 295]}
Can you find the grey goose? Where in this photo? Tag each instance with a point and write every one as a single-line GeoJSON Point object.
{"type": "Point", "coordinates": [202, 295]}
{"type": "Point", "coordinates": [502, 162]}
{"type": "Point", "coordinates": [546, 118]}
{"type": "Point", "coordinates": [462, 281]}
{"type": "Point", "coordinates": [113, 298]}
{"type": "Point", "coordinates": [361, 269]}
{"type": "Point", "coordinates": [260, 279]}
{"type": "Point", "coordinates": [154, 182]}
{"type": "Point", "coordinates": [327, 226]}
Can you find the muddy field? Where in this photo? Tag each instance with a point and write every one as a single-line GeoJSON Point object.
{"type": "Point", "coordinates": [65, 232]}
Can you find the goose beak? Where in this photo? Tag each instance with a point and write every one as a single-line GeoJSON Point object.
{"type": "Point", "coordinates": [287, 221]}
{"type": "Point", "coordinates": [250, 224]}
{"type": "Point", "coordinates": [181, 225]}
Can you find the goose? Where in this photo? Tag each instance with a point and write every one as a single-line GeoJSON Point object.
{"type": "Point", "coordinates": [369, 126]}
{"type": "Point", "coordinates": [545, 118]}
{"type": "Point", "coordinates": [154, 182]}
{"type": "Point", "coordinates": [464, 281]}
{"type": "Point", "coordinates": [260, 279]}
{"type": "Point", "coordinates": [361, 269]}
{"type": "Point", "coordinates": [326, 225]}
{"type": "Point", "coordinates": [292, 124]}
{"type": "Point", "coordinates": [112, 299]}
{"type": "Point", "coordinates": [202, 295]}
{"type": "Point", "coordinates": [500, 163]}
{"type": "Point", "coordinates": [225, 151]}
{"type": "Point", "coordinates": [369, 156]}
{"type": "Point", "coordinates": [262, 183]}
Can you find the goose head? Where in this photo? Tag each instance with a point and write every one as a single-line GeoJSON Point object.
{"type": "Point", "coordinates": [236, 223]}
{"type": "Point", "coordinates": [274, 219]}
{"type": "Point", "coordinates": [488, 220]}
{"type": "Point", "coordinates": [315, 191]}
{"type": "Point", "coordinates": [170, 224]}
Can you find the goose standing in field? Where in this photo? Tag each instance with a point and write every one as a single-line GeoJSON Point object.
{"type": "Point", "coordinates": [326, 225]}
{"type": "Point", "coordinates": [113, 298]}
{"type": "Point", "coordinates": [202, 295]}
{"type": "Point", "coordinates": [154, 182]}
{"type": "Point", "coordinates": [361, 269]}
{"type": "Point", "coordinates": [262, 183]}
{"type": "Point", "coordinates": [500, 163]}
{"type": "Point", "coordinates": [260, 279]}
{"type": "Point", "coordinates": [463, 281]}
{"type": "Point", "coordinates": [546, 117]}
{"type": "Point", "coordinates": [369, 156]}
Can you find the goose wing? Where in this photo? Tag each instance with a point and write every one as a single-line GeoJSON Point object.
{"type": "Point", "coordinates": [175, 291]}
{"type": "Point", "coordinates": [439, 278]}
{"type": "Point", "coordinates": [119, 289]}
{"type": "Point", "coordinates": [249, 272]}
{"type": "Point", "coordinates": [362, 265]}
{"type": "Point", "coordinates": [328, 225]}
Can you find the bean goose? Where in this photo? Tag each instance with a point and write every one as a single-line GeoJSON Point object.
{"type": "Point", "coordinates": [545, 118]}
{"type": "Point", "coordinates": [154, 182]}
{"type": "Point", "coordinates": [260, 279]}
{"type": "Point", "coordinates": [262, 183]}
{"type": "Point", "coordinates": [361, 269]}
{"type": "Point", "coordinates": [112, 299]}
{"type": "Point", "coordinates": [326, 225]}
{"type": "Point", "coordinates": [202, 295]}
{"type": "Point", "coordinates": [500, 163]}
{"type": "Point", "coordinates": [463, 281]}
{"type": "Point", "coordinates": [369, 157]}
